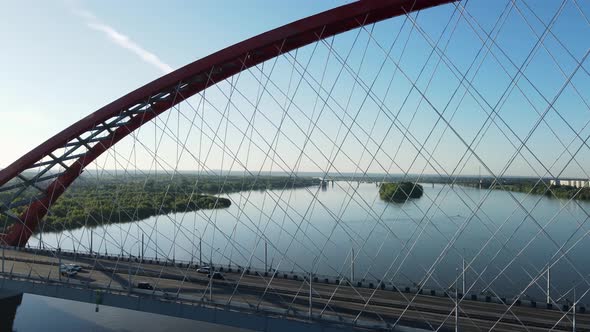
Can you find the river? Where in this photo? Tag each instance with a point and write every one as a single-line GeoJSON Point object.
{"type": "Point", "coordinates": [420, 241]}
{"type": "Point", "coordinates": [39, 313]}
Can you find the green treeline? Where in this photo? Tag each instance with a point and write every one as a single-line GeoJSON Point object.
{"type": "Point", "coordinates": [93, 202]}
{"type": "Point", "coordinates": [400, 191]}
{"type": "Point", "coordinates": [565, 192]}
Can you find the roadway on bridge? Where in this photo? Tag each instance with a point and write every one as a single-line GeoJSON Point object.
{"type": "Point", "coordinates": [293, 295]}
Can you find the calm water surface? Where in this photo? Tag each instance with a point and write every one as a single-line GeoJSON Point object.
{"type": "Point", "coordinates": [39, 313]}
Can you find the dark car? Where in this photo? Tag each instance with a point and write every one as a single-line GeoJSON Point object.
{"type": "Point", "coordinates": [145, 285]}
{"type": "Point", "coordinates": [74, 267]}
{"type": "Point", "coordinates": [216, 275]}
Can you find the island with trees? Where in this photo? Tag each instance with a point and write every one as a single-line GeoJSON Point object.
{"type": "Point", "coordinates": [400, 191]}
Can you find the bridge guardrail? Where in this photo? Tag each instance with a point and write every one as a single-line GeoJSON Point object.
{"type": "Point", "coordinates": [292, 275]}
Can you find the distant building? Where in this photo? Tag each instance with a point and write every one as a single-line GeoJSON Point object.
{"type": "Point", "coordinates": [572, 183]}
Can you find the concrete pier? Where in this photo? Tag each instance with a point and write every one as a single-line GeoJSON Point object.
{"type": "Point", "coordinates": [9, 302]}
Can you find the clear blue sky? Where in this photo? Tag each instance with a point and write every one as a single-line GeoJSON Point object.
{"type": "Point", "coordinates": [56, 70]}
{"type": "Point", "coordinates": [61, 60]}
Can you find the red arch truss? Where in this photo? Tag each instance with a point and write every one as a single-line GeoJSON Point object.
{"type": "Point", "coordinates": [84, 141]}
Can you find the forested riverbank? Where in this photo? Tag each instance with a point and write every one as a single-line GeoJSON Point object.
{"type": "Point", "coordinates": [119, 199]}
{"type": "Point", "coordinates": [555, 191]}
{"type": "Point", "coordinates": [535, 187]}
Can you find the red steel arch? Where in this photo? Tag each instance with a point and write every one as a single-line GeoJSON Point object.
{"type": "Point", "coordinates": [185, 82]}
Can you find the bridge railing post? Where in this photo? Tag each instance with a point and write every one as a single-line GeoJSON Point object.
{"type": "Point", "coordinates": [59, 263]}
{"type": "Point", "coordinates": [548, 285]}
{"type": "Point", "coordinates": [457, 304]}
{"type": "Point", "coordinates": [310, 297]}
{"type": "Point", "coordinates": [129, 274]}
{"type": "Point", "coordinates": [574, 311]}
{"type": "Point", "coordinates": [351, 265]}
{"type": "Point", "coordinates": [463, 275]}
{"type": "Point", "coordinates": [211, 287]}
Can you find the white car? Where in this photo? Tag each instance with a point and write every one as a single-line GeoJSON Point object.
{"type": "Point", "coordinates": [204, 270]}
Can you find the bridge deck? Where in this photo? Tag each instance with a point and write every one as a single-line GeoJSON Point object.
{"type": "Point", "coordinates": [330, 300]}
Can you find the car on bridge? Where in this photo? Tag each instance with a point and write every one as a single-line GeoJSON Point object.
{"type": "Point", "coordinates": [216, 275]}
{"type": "Point", "coordinates": [204, 270]}
{"type": "Point", "coordinates": [145, 285]}
{"type": "Point", "coordinates": [74, 267]}
{"type": "Point", "coordinates": [67, 271]}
